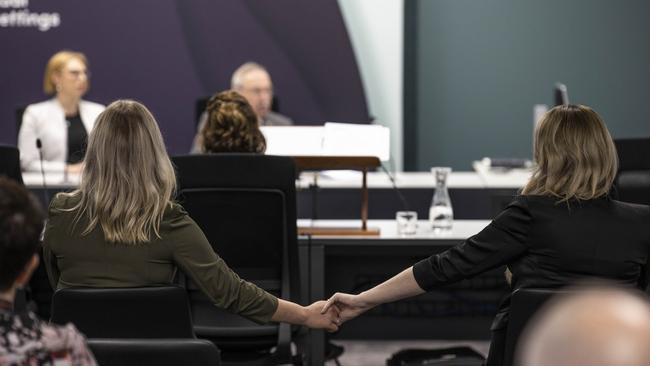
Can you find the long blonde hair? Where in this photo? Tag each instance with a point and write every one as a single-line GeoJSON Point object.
{"type": "Point", "coordinates": [128, 180]}
{"type": "Point", "coordinates": [574, 154]}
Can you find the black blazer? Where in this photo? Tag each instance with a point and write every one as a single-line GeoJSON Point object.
{"type": "Point", "coordinates": [547, 244]}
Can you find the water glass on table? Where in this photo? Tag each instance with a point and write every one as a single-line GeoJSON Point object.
{"type": "Point", "coordinates": [407, 222]}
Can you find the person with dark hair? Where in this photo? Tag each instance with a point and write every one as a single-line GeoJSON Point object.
{"type": "Point", "coordinates": [25, 339]}
{"type": "Point", "coordinates": [231, 126]}
{"type": "Point", "coordinates": [563, 228]}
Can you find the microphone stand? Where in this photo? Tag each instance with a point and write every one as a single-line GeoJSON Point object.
{"type": "Point", "coordinates": [46, 196]}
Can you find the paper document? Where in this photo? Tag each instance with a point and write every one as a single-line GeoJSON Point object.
{"type": "Point", "coordinates": [345, 139]}
{"type": "Point", "coordinates": [293, 140]}
{"type": "Point", "coordinates": [333, 139]}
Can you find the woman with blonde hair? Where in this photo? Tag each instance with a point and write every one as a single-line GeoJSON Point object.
{"type": "Point", "coordinates": [121, 228]}
{"type": "Point", "coordinates": [61, 124]}
{"type": "Point", "coordinates": [562, 228]}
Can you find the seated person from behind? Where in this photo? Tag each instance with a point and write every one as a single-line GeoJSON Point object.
{"type": "Point", "coordinates": [231, 126]}
{"type": "Point", "coordinates": [61, 123]}
{"type": "Point", "coordinates": [26, 340]}
{"type": "Point", "coordinates": [253, 82]}
{"type": "Point", "coordinates": [121, 228]}
{"type": "Point", "coordinates": [563, 228]}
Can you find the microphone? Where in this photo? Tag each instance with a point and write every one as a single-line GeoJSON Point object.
{"type": "Point", "coordinates": [403, 201]}
{"type": "Point", "coordinates": [46, 196]}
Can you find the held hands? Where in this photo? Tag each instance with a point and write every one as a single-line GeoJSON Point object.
{"type": "Point", "coordinates": [318, 317]}
{"type": "Point", "coordinates": [348, 306]}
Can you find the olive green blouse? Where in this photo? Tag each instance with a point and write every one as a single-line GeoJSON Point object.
{"type": "Point", "coordinates": [76, 260]}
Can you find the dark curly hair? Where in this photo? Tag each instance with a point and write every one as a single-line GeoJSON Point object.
{"type": "Point", "coordinates": [231, 126]}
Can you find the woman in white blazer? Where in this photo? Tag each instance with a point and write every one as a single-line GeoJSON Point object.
{"type": "Point", "coordinates": [62, 123]}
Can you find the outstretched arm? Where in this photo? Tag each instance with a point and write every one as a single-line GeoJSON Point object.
{"type": "Point", "coordinates": [312, 316]}
{"type": "Point", "coordinates": [504, 239]}
{"type": "Point", "coordinates": [401, 286]}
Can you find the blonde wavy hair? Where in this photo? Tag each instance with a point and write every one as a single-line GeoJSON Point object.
{"type": "Point", "coordinates": [128, 180]}
{"type": "Point", "coordinates": [574, 154]}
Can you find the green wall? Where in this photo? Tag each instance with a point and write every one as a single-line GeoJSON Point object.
{"type": "Point", "coordinates": [475, 68]}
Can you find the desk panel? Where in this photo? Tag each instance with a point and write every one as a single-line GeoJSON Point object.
{"type": "Point", "coordinates": [459, 311]}
{"type": "Point", "coordinates": [383, 203]}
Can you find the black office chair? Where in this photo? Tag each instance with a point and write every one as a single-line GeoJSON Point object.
{"type": "Point", "coordinates": [141, 312]}
{"type": "Point", "coordinates": [633, 179]}
{"type": "Point", "coordinates": [158, 352]}
{"type": "Point", "coordinates": [246, 206]}
{"type": "Point", "coordinates": [10, 163]}
{"type": "Point", "coordinates": [523, 305]}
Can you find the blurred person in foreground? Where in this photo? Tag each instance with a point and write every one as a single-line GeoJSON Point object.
{"type": "Point", "coordinates": [597, 327]}
{"type": "Point", "coordinates": [25, 339]}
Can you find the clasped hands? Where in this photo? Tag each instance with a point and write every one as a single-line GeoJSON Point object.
{"type": "Point", "coordinates": [338, 309]}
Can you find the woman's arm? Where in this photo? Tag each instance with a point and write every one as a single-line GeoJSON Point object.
{"type": "Point", "coordinates": [501, 241]}
{"type": "Point", "coordinates": [194, 255]}
{"type": "Point", "coordinates": [401, 286]}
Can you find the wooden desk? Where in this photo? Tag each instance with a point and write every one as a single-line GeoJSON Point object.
{"type": "Point", "coordinates": [360, 163]}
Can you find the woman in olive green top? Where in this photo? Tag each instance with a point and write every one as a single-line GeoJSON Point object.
{"type": "Point", "coordinates": [121, 228]}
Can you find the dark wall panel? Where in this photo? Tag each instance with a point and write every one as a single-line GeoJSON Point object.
{"type": "Point", "coordinates": [481, 66]}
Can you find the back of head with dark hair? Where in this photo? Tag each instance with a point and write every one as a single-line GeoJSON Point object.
{"type": "Point", "coordinates": [21, 223]}
{"type": "Point", "coordinates": [232, 126]}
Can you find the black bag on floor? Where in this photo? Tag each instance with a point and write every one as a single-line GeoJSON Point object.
{"type": "Point", "coordinates": [453, 356]}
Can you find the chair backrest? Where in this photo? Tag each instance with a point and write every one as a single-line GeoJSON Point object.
{"type": "Point", "coordinates": [10, 163]}
{"type": "Point", "coordinates": [141, 312]}
{"type": "Point", "coordinates": [158, 352]}
{"type": "Point", "coordinates": [246, 206]}
{"type": "Point", "coordinates": [633, 179]}
{"type": "Point", "coordinates": [523, 305]}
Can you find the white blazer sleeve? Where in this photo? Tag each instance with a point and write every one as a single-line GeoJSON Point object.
{"type": "Point", "coordinates": [29, 156]}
